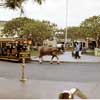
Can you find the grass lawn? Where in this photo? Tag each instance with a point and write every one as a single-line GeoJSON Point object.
{"type": "Point", "coordinates": [34, 53]}
{"type": "Point", "coordinates": [90, 52]}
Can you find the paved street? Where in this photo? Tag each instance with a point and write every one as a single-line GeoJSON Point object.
{"type": "Point", "coordinates": [48, 80]}
{"type": "Point", "coordinates": [57, 72]}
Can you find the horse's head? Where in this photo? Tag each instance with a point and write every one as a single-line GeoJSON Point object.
{"type": "Point", "coordinates": [61, 48]}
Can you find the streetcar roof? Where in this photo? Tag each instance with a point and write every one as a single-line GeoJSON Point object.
{"type": "Point", "coordinates": [7, 39]}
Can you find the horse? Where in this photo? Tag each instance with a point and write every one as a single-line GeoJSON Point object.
{"type": "Point", "coordinates": [52, 51]}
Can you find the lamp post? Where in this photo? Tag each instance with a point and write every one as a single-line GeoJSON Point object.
{"type": "Point", "coordinates": [23, 70]}
{"type": "Point", "coordinates": [65, 41]}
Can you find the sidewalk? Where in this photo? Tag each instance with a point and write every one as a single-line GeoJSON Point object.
{"type": "Point", "coordinates": [67, 57]}
{"type": "Point", "coordinates": [41, 89]}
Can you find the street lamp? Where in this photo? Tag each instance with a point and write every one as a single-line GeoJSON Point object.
{"type": "Point", "coordinates": [65, 41]}
{"type": "Point", "coordinates": [23, 70]}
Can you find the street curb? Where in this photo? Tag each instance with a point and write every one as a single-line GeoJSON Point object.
{"type": "Point", "coordinates": [64, 61]}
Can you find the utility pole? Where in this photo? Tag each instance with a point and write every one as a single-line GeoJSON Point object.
{"type": "Point", "coordinates": [65, 41]}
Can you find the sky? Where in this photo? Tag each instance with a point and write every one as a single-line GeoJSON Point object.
{"type": "Point", "coordinates": [79, 10]}
{"type": "Point", "coordinates": [62, 12]}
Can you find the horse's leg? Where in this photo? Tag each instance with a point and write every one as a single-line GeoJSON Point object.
{"type": "Point", "coordinates": [40, 59]}
{"type": "Point", "coordinates": [51, 60]}
{"type": "Point", "coordinates": [58, 62]}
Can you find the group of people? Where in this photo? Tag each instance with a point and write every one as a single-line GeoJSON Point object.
{"type": "Point", "coordinates": [12, 49]}
{"type": "Point", "coordinates": [76, 51]}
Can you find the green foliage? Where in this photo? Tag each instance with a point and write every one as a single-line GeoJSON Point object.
{"type": "Point", "coordinates": [15, 26]}
{"type": "Point", "coordinates": [88, 28]}
{"type": "Point", "coordinates": [34, 53]}
{"type": "Point", "coordinates": [39, 1]}
{"type": "Point", "coordinates": [39, 30]}
{"type": "Point", "coordinates": [75, 33]}
{"type": "Point", "coordinates": [13, 4]}
{"type": "Point", "coordinates": [91, 26]}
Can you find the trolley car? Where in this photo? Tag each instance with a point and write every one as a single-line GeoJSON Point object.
{"type": "Point", "coordinates": [14, 49]}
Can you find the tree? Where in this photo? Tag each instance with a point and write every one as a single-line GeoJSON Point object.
{"type": "Point", "coordinates": [38, 30]}
{"type": "Point", "coordinates": [13, 4]}
{"type": "Point", "coordinates": [91, 27]}
{"type": "Point", "coordinates": [15, 26]}
{"type": "Point", "coordinates": [75, 33]}
{"type": "Point", "coordinates": [25, 27]}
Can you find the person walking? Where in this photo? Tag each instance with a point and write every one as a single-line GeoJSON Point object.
{"type": "Point", "coordinates": [77, 50]}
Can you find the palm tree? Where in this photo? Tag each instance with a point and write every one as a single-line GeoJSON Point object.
{"type": "Point", "coordinates": [14, 4]}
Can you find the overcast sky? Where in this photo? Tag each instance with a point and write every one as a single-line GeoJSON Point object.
{"type": "Point", "coordinates": [55, 11]}
{"type": "Point", "coordinates": [79, 10]}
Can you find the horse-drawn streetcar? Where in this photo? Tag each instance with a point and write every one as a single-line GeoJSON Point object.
{"type": "Point", "coordinates": [14, 49]}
